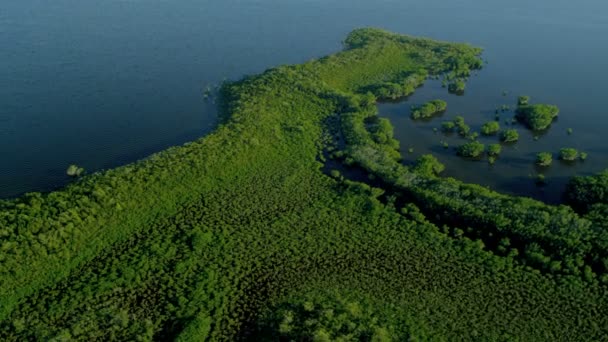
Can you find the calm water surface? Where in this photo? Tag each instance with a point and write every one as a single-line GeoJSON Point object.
{"type": "Point", "coordinates": [103, 83]}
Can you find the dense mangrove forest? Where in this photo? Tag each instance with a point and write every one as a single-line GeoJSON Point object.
{"type": "Point", "coordinates": [297, 219]}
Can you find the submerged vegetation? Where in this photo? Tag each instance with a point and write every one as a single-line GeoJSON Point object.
{"type": "Point", "coordinates": [243, 235]}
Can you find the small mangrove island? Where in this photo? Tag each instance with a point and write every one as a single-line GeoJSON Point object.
{"type": "Point", "coordinates": [535, 116]}
{"type": "Point", "coordinates": [429, 109]}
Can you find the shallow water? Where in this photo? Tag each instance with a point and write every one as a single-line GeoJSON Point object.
{"type": "Point", "coordinates": [103, 83]}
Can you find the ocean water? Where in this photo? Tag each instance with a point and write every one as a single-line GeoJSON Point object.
{"type": "Point", "coordinates": [104, 83]}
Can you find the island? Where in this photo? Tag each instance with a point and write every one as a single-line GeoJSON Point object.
{"type": "Point", "coordinates": [429, 109]}
{"type": "Point", "coordinates": [537, 116]}
{"type": "Point", "coordinates": [249, 234]}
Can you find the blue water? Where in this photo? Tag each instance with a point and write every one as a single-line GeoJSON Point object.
{"type": "Point", "coordinates": [103, 83]}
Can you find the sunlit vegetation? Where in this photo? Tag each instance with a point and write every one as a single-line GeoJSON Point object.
{"type": "Point", "coordinates": [568, 154]}
{"type": "Point", "coordinates": [537, 116]}
{"type": "Point", "coordinates": [429, 109]}
{"type": "Point", "coordinates": [509, 135]}
{"type": "Point", "coordinates": [490, 128]}
{"type": "Point", "coordinates": [472, 149]}
{"type": "Point", "coordinates": [544, 159]}
{"type": "Point", "coordinates": [428, 165]}
{"type": "Point", "coordinates": [74, 171]}
{"type": "Point", "coordinates": [244, 235]}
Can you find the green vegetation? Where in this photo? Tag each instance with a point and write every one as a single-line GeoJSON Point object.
{"type": "Point", "coordinates": [523, 101]}
{"type": "Point", "coordinates": [448, 126]}
{"type": "Point", "coordinates": [536, 117]}
{"type": "Point", "coordinates": [75, 171]}
{"type": "Point", "coordinates": [494, 150]}
{"type": "Point", "coordinates": [509, 135]}
{"type": "Point", "coordinates": [428, 165]}
{"type": "Point", "coordinates": [327, 318]}
{"type": "Point", "coordinates": [242, 234]}
{"type": "Point", "coordinates": [429, 109]}
{"type": "Point", "coordinates": [568, 154]}
{"type": "Point", "coordinates": [490, 128]}
{"type": "Point", "coordinates": [472, 149]}
{"type": "Point", "coordinates": [584, 192]}
{"type": "Point", "coordinates": [544, 159]}
{"type": "Point", "coordinates": [457, 87]}
{"type": "Point", "coordinates": [462, 128]}
{"type": "Point", "coordinates": [583, 156]}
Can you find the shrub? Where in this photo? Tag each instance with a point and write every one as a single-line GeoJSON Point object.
{"type": "Point", "coordinates": [457, 87]}
{"type": "Point", "coordinates": [448, 126]}
{"type": "Point", "coordinates": [428, 165]}
{"type": "Point", "coordinates": [568, 154]}
{"type": "Point", "coordinates": [472, 149]}
{"type": "Point", "coordinates": [536, 117]}
{"type": "Point", "coordinates": [490, 128]}
{"type": "Point", "coordinates": [494, 149]}
{"type": "Point", "coordinates": [74, 171]}
{"type": "Point", "coordinates": [544, 159]}
{"type": "Point", "coordinates": [510, 135]}
{"type": "Point", "coordinates": [523, 101]}
{"type": "Point", "coordinates": [429, 109]}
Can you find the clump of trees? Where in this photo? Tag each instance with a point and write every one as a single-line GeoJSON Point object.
{"type": "Point", "coordinates": [490, 128]}
{"type": "Point", "coordinates": [537, 116]}
{"type": "Point", "coordinates": [472, 149]}
{"type": "Point", "coordinates": [429, 109]}
{"type": "Point", "coordinates": [494, 150]}
{"type": "Point", "coordinates": [462, 128]}
{"type": "Point", "coordinates": [509, 135]}
{"type": "Point", "coordinates": [457, 87]}
{"type": "Point", "coordinates": [398, 87]}
{"type": "Point", "coordinates": [584, 192]}
{"type": "Point", "coordinates": [428, 165]}
{"type": "Point", "coordinates": [75, 171]}
{"type": "Point", "coordinates": [544, 159]}
{"type": "Point", "coordinates": [568, 154]}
